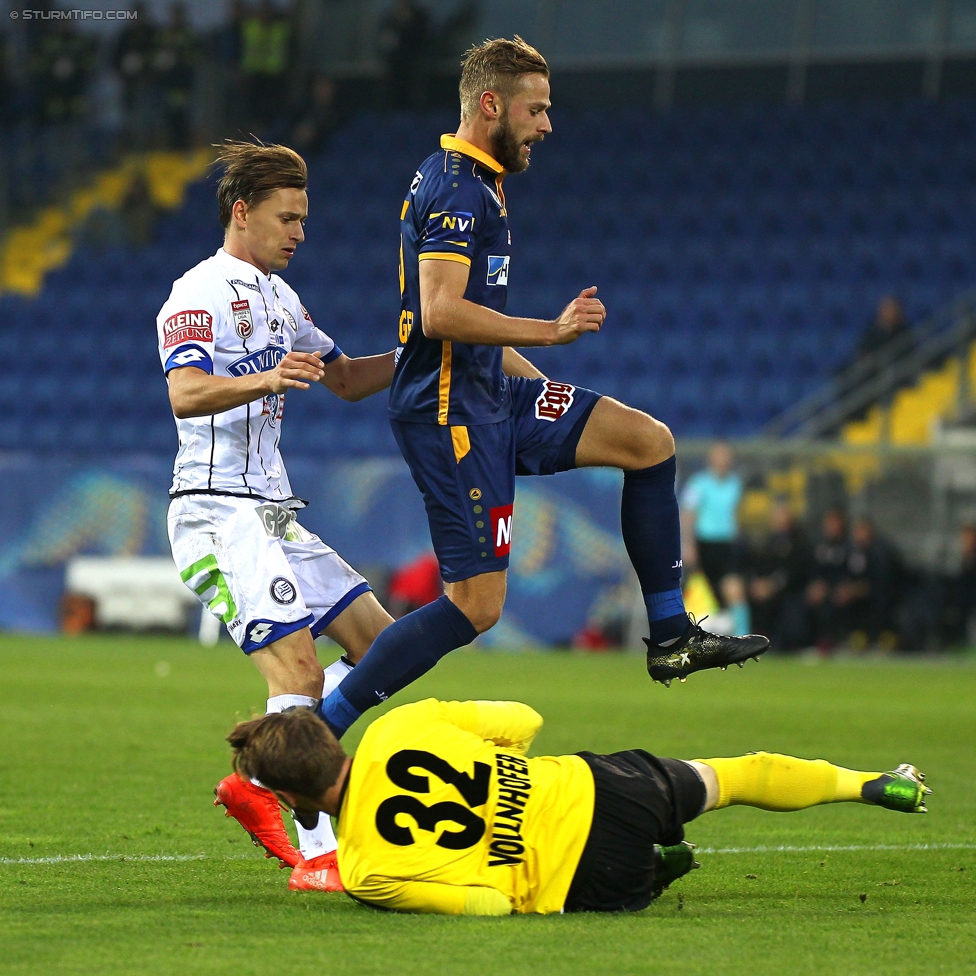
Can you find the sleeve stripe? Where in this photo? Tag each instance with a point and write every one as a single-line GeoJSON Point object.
{"type": "Point", "coordinates": [444, 256]}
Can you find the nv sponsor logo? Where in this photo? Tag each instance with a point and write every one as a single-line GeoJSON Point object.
{"type": "Point", "coordinates": [500, 520]}
{"type": "Point", "coordinates": [498, 269]}
{"type": "Point", "coordinates": [257, 362]}
{"type": "Point", "coordinates": [554, 400]}
{"type": "Point", "coordinates": [461, 222]}
{"type": "Point", "coordinates": [441, 223]}
{"type": "Point", "coordinates": [186, 326]}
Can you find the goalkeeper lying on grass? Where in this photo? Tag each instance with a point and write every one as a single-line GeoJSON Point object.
{"type": "Point", "coordinates": [440, 811]}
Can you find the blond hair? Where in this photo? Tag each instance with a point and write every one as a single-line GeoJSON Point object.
{"type": "Point", "coordinates": [497, 65]}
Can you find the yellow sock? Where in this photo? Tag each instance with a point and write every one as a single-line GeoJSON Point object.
{"type": "Point", "coordinates": [773, 782]}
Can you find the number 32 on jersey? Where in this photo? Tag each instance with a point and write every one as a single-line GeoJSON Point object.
{"type": "Point", "coordinates": [473, 789]}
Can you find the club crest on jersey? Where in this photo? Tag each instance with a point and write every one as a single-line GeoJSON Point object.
{"type": "Point", "coordinates": [242, 318]}
{"type": "Point", "coordinates": [290, 317]}
{"type": "Point", "coordinates": [257, 362]}
{"type": "Point", "coordinates": [554, 400]}
{"type": "Point", "coordinates": [273, 408]}
{"type": "Point", "coordinates": [283, 591]}
{"type": "Point", "coordinates": [500, 521]}
{"type": "Point", "coordinates": [186, 326]}
{"type": "Point", "coordinates": [498, 269]}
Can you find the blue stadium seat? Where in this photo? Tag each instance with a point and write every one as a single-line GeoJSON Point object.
{"type": "Point", "coordinates": [740, 253]}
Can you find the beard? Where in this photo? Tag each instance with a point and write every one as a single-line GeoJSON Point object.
{"type": "Point", "coordinates": [506, 149]}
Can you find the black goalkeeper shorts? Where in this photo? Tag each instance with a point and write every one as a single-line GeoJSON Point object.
{"type": "Point", "coordinates": [640, 800]}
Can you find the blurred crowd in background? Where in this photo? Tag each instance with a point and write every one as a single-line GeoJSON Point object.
{"type": "Point", "coordinates": [71, 99]}
{"type": "Point", "coordinates": [841, 585]}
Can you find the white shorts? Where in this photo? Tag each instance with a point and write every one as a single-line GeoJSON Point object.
{"type": "Point", "coordinates": [257, 569]}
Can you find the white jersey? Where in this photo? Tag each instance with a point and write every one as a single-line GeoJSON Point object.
{"type": "Point", "coordinates": [227, 318]}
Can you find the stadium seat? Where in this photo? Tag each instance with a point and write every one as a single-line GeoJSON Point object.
{"type": "Point", "coordinates": [740, 253]}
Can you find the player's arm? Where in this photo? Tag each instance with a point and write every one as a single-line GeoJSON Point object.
{"type": "Point", "coordinates": [196, 393]}
{"type": "Point", "coordinates": [448, 315]}
{"type": "Point", "coordinates": [511, 725]}
{"type": "Point", "coordinates": [434, 898]}
{"type": "Point", "coordinates": [515, 364]}
{"type": "Point", "coordinates": [354, 379]}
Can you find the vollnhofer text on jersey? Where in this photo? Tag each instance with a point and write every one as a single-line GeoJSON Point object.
{"type": "Point", "coordinates": [514, 788]}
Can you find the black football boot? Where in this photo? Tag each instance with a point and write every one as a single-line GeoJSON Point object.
{"type": "Point", "coordinates": [698, 650]}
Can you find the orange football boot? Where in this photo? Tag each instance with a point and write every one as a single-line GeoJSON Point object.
{"type": "Point", "coordinates": [319, 874]}
{"type": "Point", "coordinates": [259, 813]}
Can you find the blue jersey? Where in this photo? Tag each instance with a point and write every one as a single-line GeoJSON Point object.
{"type": "Point", "coordinates": [455, 211]}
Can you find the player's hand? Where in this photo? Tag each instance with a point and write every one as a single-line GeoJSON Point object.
{"type": "Point", "coordinates": [296, 371]}
{"type": "Point", "coordinates": [583, 314]}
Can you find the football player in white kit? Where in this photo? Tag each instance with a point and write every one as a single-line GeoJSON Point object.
{"type": "Point", "coordinates": [233, 339]}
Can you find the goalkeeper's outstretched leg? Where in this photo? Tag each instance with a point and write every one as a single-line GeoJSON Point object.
{"type": "Point", "coordinates": [783, 783]}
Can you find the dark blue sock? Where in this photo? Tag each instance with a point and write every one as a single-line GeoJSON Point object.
{"type": "Point", "coordinates": [408, 648]}
{"type": "Point", "coordinates": [651, 529]}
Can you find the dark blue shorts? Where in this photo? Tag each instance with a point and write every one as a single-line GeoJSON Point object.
{"type": "Point", "coordinates": [467, 474]}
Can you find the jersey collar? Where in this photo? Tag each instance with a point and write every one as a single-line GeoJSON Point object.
{"type": "Point", "coordinates": [463, 146]}
{"type": "Point", "coordinates": [242, 267]}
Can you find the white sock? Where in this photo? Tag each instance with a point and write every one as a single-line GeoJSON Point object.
{"type": "Point", "coordinates": [322, 839]}
{"type": "Point", "coordinates": [280, 702]}
{"type": "Point", "coordinates": [333, 675]}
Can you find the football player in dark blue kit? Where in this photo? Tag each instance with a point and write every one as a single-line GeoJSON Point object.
{"type": "Point", "coordinates": [470, 413]}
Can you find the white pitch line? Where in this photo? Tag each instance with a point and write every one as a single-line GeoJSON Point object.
{"type": "Point", "coordinates": [787, 848]}
{"type": "Point", "coordinates": [781, 849]}
{"type": "Point", "coordinates": [85, 858]}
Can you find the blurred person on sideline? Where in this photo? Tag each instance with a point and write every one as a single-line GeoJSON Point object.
{"type": "Point", "coordinates": [734, 617]}
{"type": "Point", "coordinates": [866, 595]}
{"type": "Point", "coordinates": [414, 585]}
{"type": "Point", "coordinates": [174, 62]}
{"type": "Point", "coordinates": [61, 67]}
{"type": "Point", "coordinates": [133, 59]}
{"type": "Point", "coordinates": [779, 569]}
{"type": "Point", "coordinates": [403, 42]}
{"type": "Point", "coordinates": [959, 593]}
{"type": "Point", "coordinates": [709, 518]}
{"type": "Point", "coordinates": [829, 567]}
{"type": "Point", "coordinates": [318, 117]}
{"type": "Point", "coordinates": [61, 72]}
{"type": "Point", "coordinates": [225, 45]}
{"type": "Point", "coordinates": [266, 36]}
{"type": "Point", "coordinates": [888, 323]}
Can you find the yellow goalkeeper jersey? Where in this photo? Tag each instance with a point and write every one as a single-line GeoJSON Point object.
{"type": "Point", "coordinates": [443, 813]}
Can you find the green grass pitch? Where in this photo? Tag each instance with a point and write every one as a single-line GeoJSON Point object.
{"type": "Point", "coordinates": [111, 747]}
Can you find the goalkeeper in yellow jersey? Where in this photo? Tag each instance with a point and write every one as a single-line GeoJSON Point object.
{"type": "Point", "coordinates": [440, 810]}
